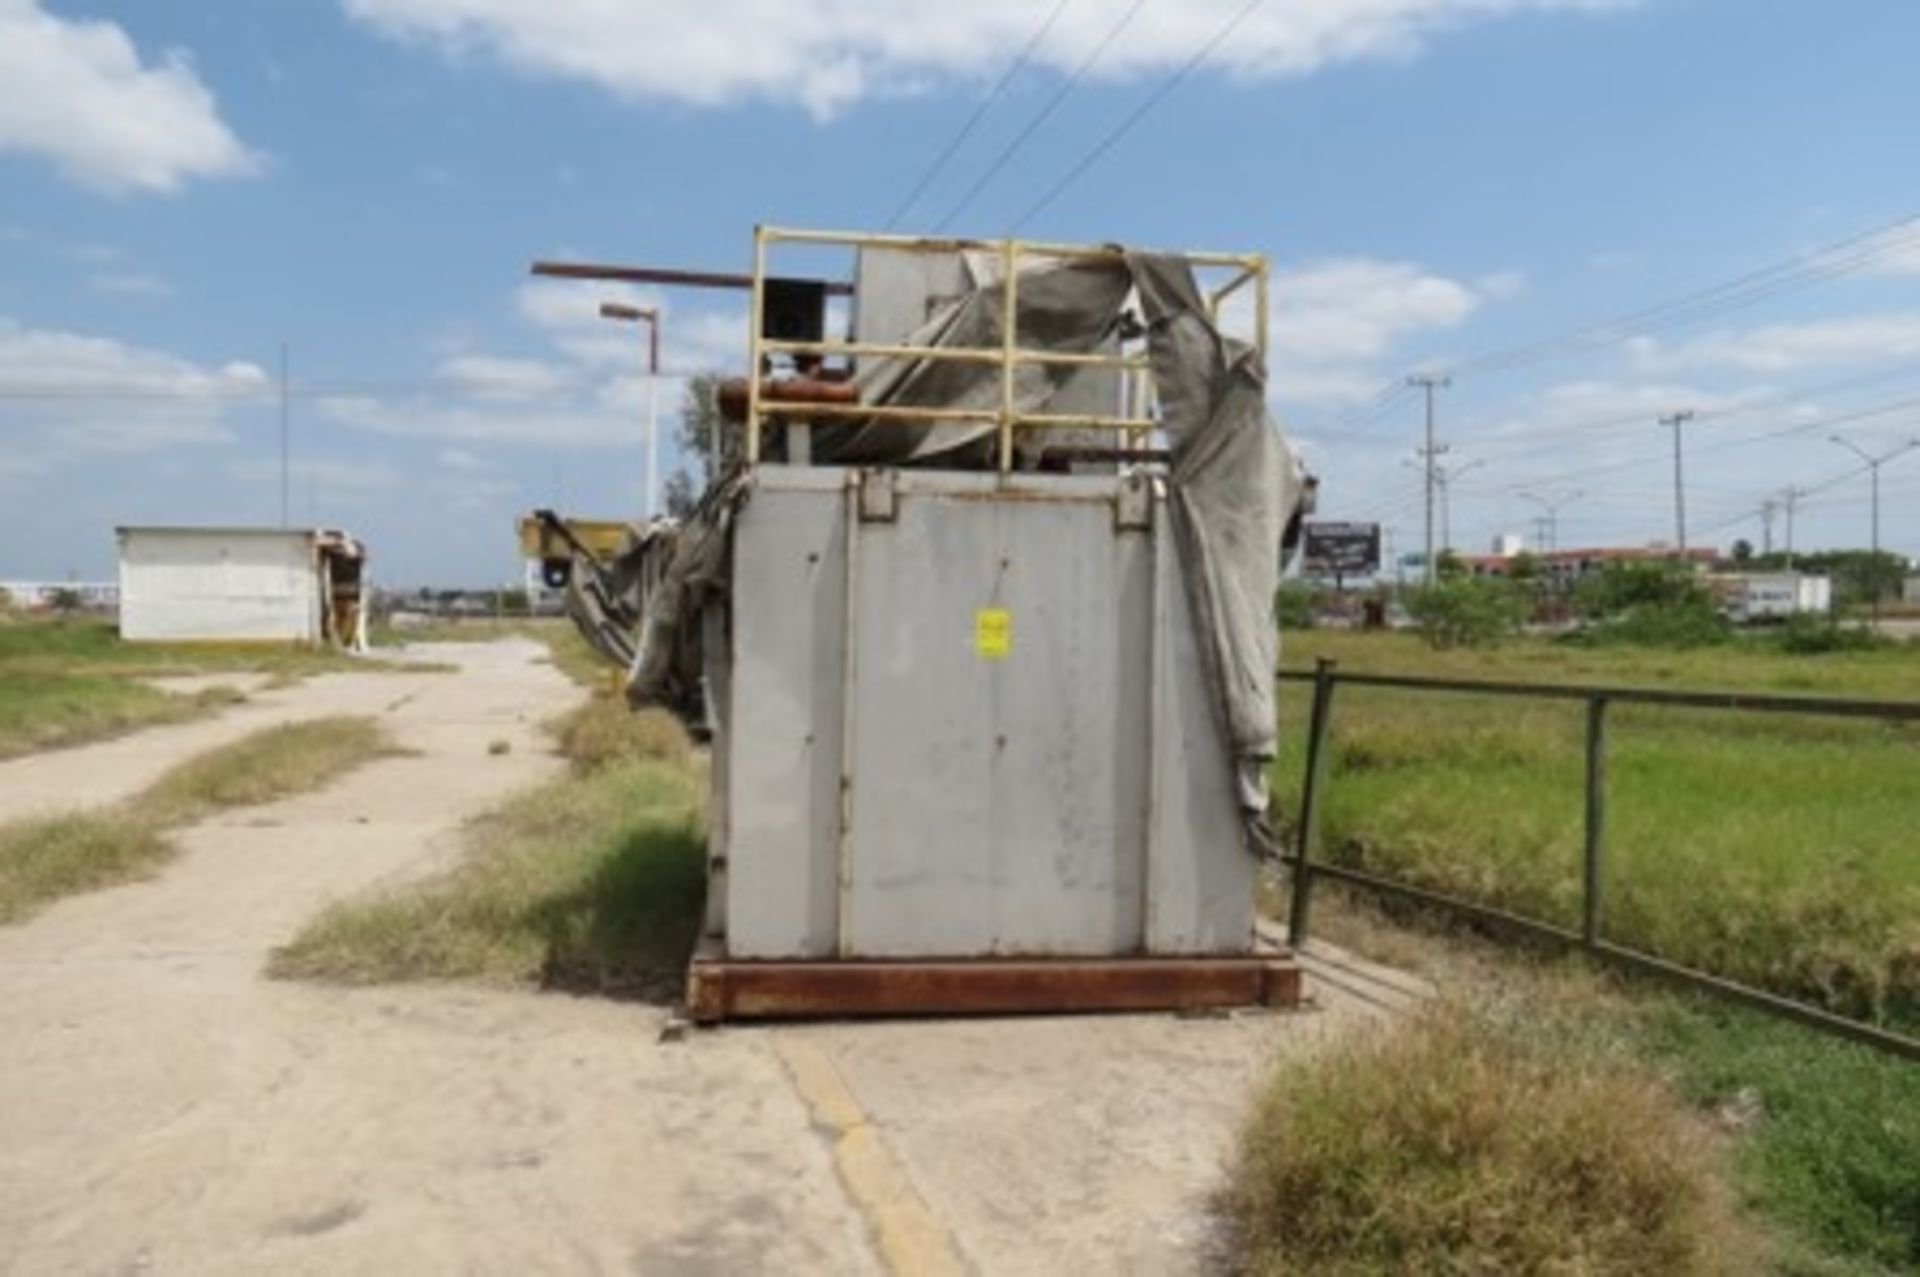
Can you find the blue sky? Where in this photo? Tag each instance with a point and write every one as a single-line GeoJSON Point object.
{"type": "Point", "coordinates": [185, 186]}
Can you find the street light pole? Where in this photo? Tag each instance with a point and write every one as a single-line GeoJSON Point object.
{"type": "Point", "coordinates": [651, 317]}
{"type": "Point", "coordinates": [1873, 468]}
{"type": "Point", "coordinates": [1552, 505]}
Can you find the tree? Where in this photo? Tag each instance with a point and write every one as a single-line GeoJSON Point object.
{"type": "Point", "coordinates": [1743, 552]}
{"type": "Point", "coordinates": [1449, 566]}
{"type": "Point", "coordinates": [1524, 568]}
{"type": "Point", "coordinates": [701, 426]}
{"type": "Point", "coordinates": [680, 495]}
{"type": "Point", "coordinates": [66, 600]}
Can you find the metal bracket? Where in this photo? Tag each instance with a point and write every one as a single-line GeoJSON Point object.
{"type": "Point", "coordinates": [878, 502]}
{"type": "Point", "coordinates": [1133, 504]}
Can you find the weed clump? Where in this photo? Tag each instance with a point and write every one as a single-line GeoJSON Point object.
{"type": "Point", "coordinates": [604, 731]}
{"type": "Point", "coordinates": [1459, 1143]}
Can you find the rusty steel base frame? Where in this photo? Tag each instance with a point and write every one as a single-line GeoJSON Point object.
{"type": "Point", "coordinates": [720, 988]}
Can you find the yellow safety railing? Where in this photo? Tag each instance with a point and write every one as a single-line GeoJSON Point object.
{"type": "Point", "coordinates": [1248, 268]}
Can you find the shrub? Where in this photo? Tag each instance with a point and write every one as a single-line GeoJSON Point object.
{"type": "Point", "coordinates": [1293, 605]}
{"type": "Point", "coordinates": [1624, 587]}
{"type": "Point", "coordinates": [1467, 613]}
{"type": "Point", "coordinates": [1694, 622]}
{"type": "Point", "coordinates": [1456, 1142]}
{"type": "Point", "coordinates": [1805, 635]}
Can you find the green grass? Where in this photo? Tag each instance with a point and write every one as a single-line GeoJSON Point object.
{"type": "Point", "coordinates": [275, 762]}
{"type": "Point", "coordinates": [44, 859]}
{"type": "Point", "coordinates": [1774, 849]}
{"type": "Point", "coordinates": [65, 682]}
{"type": "Point", "coordinates": [1829, 1132]}
{"type": "Point", "coordinates": [1469, 1141]}
{"type": "Point", "coordinates": [591, 883]}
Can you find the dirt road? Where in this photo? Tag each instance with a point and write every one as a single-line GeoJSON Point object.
{"type": "Point", "coordinates": [165, 1109]}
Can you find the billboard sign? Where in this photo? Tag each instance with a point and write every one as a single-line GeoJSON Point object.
{"type": "Point", "coordinates": [1341, 549]}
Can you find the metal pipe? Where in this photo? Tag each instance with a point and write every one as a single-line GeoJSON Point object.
{"type": "Point", "coordinates": [1300, 907]}
{"type": "Point", "coordinates": [1596, 818]}
{"type": "Point", "coordinates": [1892, 711]}
{"type": "Point", "coordinates": [1009, 342]}
{"type": "Point", "coordinates": [958, 354]}
{"type": "Point", "coordinates": [756, 355]}
{"type": "Point", "coordinates": [670, 276]}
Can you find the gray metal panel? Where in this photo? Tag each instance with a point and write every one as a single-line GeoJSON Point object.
{"type": "Point", "coordinates": [997, 806]}
{"type": "Point", "coordinates": [783, 728]}
{"type": "Point", "coordinates": [997, 802]}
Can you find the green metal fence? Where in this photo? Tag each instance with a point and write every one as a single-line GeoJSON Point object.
{"type": "Point", "coordinates": [1326, 679]}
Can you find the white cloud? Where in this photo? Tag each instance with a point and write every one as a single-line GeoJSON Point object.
{"type": "Point", "coordinates": [78, 93]}
{"type": "Point", "coordinates": [825, 55]}
{"type": "Point", "coordinates": [568, 313]}
{"type": "Point", "coordinates": [462, 460]}
{"type": "Point", "coordinates": [1851, 341]}
{"type": "Point", "coordinates": [129, 284]}
{"type": "Point", "coordinates": [332, 477]}
{"type": "Point", "coordinates": [69, 393]}
{"type": "Point", "coordinates": [1333, 321]}
{"type": "Point", "coordinates": [500, 377]}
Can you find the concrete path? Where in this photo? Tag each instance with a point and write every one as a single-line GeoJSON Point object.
{"type": "Point", "coordinates": [164, 1109]}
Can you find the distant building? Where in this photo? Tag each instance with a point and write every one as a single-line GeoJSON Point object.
{"type": "Point", "coordinates": [267, 585]}
{"type": "Point", "coordinates": [1910, 590]}
{"type": "Point", "coordinates": [40, 596]}
{"type": "Point", "coordinates": [1754, 597]}
{"type": "Point", "coordinates": [1565, 568]}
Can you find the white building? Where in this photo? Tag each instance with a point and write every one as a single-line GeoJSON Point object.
{"type": "Point", "coordinates": [269, 585]}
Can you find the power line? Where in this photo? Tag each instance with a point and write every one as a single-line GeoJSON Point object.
{"type": "Point", "coordinates": [1059, 95]}
{"type": "Point", "coordinates": [960, 136]}
{"type": "Point", "coordinates": [1804, 269]}
{"type": "Point", "coordinates": [1140, 112]}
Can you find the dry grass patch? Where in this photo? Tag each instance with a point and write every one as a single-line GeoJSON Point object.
{"type": "Point", "coordinates": [593, 883]}
{"type": "Point", "coordinates": [265, 765]}
{"type": "Point", "coordinates": [604, 730]}
{"type": "Point", "coordinates": [1461, 1142]}
{"type": "Point", "coordinates": [44, 859]}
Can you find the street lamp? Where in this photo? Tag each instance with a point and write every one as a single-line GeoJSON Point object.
{"type": "Point", "coordinates": [1873, 466]}
{"type": "Point", "coordinates": [1552, 505]}
{"type": "Point", "coordinates": [651, 317]}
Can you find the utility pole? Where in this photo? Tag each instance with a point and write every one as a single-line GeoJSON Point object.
{"type": "Point", "coordinates": [1677, 420]}
{"type": "Point", "coordinates": [1873, 466]}
{"type": "Point", "coordinates": [1767, 509]}
{"type": "Point", "coordinates": [285, 417]}
{"type": "Point", "coordinates": [1791, 500]}
{"type": "Point", "coordinates": [1431, 454]}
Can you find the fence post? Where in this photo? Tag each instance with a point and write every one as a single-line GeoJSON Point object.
{"type": "Point", "coordinates": [1322, 712]}
{"type": "Point", "coordinates": [1596, 818]}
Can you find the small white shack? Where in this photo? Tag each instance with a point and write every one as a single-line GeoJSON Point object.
{"type": "Point", "coordinates": [266, 585]}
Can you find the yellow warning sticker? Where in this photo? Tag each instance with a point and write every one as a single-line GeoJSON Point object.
{"type": "Point", "coordinates": [993, 633]}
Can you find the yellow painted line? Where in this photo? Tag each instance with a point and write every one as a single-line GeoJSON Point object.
{"type": "Point", "coordinates": [912, 1241]}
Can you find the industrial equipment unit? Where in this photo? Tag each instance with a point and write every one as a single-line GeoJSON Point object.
{"type": "Point", "coordinates": [981, 630]}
